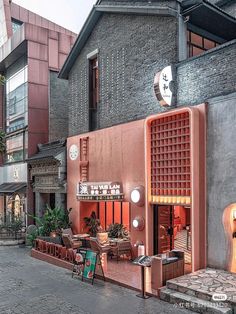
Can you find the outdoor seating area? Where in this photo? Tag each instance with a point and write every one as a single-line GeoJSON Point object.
{"type": "Point", "coordinates": [115, 256]}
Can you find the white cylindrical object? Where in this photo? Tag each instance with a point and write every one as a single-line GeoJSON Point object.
{"type": "Point", "coordinates": [141, 250]}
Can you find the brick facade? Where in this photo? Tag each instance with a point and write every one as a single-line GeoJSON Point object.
{"type": "Point", "coordinates": [130, 54]}
{"type": "Point", "coordinates": [58, 107]}
{"type": "Point", "coordinates": [230, 9]}
{"type": "Point", "coordinates": [131, 49]}
{"type": "Point", "coordinates": [208, 75]}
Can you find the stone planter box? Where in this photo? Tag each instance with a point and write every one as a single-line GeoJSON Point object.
{"type": "Point", "coordinates": [11, 242]}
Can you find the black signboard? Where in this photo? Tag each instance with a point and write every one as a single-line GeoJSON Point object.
{"type": "Point", "coordinates": [99, 191]}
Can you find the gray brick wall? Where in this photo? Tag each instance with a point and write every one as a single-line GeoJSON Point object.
{"type": "Point", "coordinates": [230, 9]}
{"type": "Point", "coordinates": [221, 172]}
{"type": "Point", "coordinates": [209, 75]}
{"type": "Point", "coordinates": [131, 50]}
{"type": "Point", "coordinates": [58, 107]}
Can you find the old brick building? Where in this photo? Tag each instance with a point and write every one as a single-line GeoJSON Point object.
{"type": "Point", "coordinates": [33, 100]}
{"type": "Point", "coordinates": [181, 154]}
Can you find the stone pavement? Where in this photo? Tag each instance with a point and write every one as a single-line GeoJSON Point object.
{"type": "Point", "coordinates": [30, 286]}
{"type": "Point", "coordinates": [205, 291]}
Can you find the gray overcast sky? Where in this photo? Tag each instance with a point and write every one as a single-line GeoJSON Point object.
{"type": "Point", "coordinates": [70, 14]}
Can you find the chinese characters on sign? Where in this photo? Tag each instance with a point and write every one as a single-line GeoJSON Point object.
{"type": "Point", "coordinates": [163, 86]}
{"type": "Point", "coordinates": [99, 191]}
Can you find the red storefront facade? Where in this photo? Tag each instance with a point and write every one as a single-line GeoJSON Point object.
{"type": "Point", "coordinates": [166, 155]}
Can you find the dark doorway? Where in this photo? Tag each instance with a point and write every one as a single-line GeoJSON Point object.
{"type": "Point", "coordinates": [52, 200]}
{"type": "Point", "coordinates": [163, 228]}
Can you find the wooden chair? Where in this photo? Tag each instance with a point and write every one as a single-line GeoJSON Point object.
{"type": "Point", "coordinates": [122, 248]}
{"type": "Point", "coordinates": [98, 248]}
{"type": "Point", "coordinates": [67, 231]}
{"type": "Point", "coordinates": [70, 243]}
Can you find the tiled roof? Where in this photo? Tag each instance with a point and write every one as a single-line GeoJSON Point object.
{"type": "Point", "coordinates": [12, 187]}
{"type": "Point", "coordinates": [49, 150]}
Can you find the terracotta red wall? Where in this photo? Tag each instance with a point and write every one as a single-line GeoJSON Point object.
{"type": "Point", "coordinates": [114, 154]}
{"type": "Point", "coordinates": [180, 212]}
{"type": "Point", "coordinates": [46, 50]}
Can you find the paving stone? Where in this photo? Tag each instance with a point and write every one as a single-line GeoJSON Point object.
{"type": "Point", "coordinates": [193, 303]}
{"type": "Point", "coordinates": [36, 287]}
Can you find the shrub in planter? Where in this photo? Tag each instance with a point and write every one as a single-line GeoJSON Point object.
{"type": "Point", "coordinates": [53, 221]}
{"type": "Point", "coordinates": [117, 231]}
{"type": "Point", "coordinates": [93, 224]}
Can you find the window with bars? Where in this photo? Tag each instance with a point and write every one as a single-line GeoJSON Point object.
{"type": "Point", "coordinates": [197, 44]}
{"type": "Point", "coordinates": [114, 212]}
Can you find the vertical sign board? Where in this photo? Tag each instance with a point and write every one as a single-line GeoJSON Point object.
{"type": "Point", "coordinates": [90, 265]}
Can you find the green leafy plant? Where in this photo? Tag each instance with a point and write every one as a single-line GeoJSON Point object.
{"type": "Point", "coordinates": [16, 224]}
{"type": "Point", "coordinates": [117, 231]}
{"type": "Point", "coordinates": [13, 225]}
{"type": "Point", "coordinates": [32, 233]}
{"type": "Point", "coordinates": [2, 142]}
{"type": "Point", "coordinates": [2, 79]}
{"type": "Point", "coordinates": [53, 220]}
{"type": "Point", "coordinates": [92, 223]}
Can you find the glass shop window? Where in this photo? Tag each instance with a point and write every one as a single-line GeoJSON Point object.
{"type": "Point", "coordinates": [16, 96]}
{"type": "Point", "coordinates": [15, 25]}
{"type": "Point", "coordinates": [16, 148]}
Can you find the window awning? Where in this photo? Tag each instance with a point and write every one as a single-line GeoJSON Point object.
{"type": "Point", "coordinates": [11, 187]}
{"type": "Point", "coordinates": [209, 17]}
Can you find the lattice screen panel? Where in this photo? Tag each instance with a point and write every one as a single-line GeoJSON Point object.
{"type": "Point", "coordinates": [170, 159]}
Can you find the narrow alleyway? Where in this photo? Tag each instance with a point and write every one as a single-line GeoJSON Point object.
{"type": "Point", "coordinates": [30, 286]}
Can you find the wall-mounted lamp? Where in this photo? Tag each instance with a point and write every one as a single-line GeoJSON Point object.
{"type": "Point", "coordinates": [138, 223]}
{"type": "Point", "coordinates": [234, 224]}
{"type": "Point", "coordinates": [137, 195]}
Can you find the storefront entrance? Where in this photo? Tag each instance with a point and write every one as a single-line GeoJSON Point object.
{"type": "Point", "coordinates": [176, 186]}
{"type": "Point", "coordinates": [163, 229]}
{"type": "Point", "coordinates": [15, 206]}
{"type": "Point", "coordinates": [172, 230]}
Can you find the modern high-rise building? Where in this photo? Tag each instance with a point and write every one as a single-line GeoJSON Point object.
{"type": "Point", "coordinates": [32, 100]}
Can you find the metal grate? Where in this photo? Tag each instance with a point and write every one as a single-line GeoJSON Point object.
{"type": "Point", "coordinates": [170, 159]}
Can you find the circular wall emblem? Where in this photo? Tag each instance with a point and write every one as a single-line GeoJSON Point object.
{"type": "Point", "coordinates": [73, 152]}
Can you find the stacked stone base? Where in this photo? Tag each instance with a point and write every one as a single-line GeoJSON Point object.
{"type": "Point", "coordinates": [205, 291]}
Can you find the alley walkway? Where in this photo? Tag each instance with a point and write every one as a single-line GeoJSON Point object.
{"type": "Point", "coordinates": [30, 286]}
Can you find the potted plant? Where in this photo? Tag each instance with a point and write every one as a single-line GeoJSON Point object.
{"type": "Point", "coordinates": [117, 230]}
{"type": "Point", "coordinates": [51, 224]}
{"type": "Point", "coordinates": [93, 224]}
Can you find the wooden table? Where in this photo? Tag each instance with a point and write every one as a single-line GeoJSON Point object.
{"type": "Point", "coordinates": [84, 237]}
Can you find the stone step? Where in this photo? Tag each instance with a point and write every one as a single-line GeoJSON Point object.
{"type": "Point", "coordinates": [173, 285]}
{"type": "Point", "coordinates": [192, 303]}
